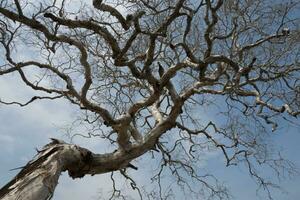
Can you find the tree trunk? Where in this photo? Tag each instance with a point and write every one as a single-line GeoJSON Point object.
{"type": "Point", "coordinates": [38, 179]}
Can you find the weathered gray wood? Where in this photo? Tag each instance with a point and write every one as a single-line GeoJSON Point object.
{"type": "Point", "coordinates": [38, 179]}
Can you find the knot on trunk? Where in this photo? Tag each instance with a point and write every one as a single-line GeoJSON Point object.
{"type": "Point", "coordinates": [77, 168]}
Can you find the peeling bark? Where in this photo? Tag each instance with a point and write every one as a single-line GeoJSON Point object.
{"type": "Point", "coordinates": [39, 178]}
{"type": "Point", "coordinates": [140, 69]}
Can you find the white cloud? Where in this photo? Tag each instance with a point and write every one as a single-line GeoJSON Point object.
{"type": "Point", "coordinates": [78, 189]}
{"type": "Point", "coordinates": [25, 128]}
{"type": "Point", "coordinates": [7, 143]}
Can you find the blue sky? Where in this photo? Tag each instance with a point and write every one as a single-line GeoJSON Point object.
{"type": "Point", "coordinates": [24, 129]}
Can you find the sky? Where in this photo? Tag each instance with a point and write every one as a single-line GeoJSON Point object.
{"type": "Point", "coordinates": [24, 129]}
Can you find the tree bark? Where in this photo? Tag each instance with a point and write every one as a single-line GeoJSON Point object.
{"type": "Point", "coordinates": [39, 177]}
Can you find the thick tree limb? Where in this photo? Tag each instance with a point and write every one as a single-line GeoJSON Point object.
{"type": "Point", "coordinates": [39, 177]}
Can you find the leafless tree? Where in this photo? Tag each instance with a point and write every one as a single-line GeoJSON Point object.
{"type": "Point", "coordinates": [147, 74]}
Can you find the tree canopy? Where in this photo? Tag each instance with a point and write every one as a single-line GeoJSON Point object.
{"type": "Point", "coordinates": [173, 78]}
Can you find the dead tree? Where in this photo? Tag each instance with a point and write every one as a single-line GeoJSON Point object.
{"type": "Point", "coordinates": [143, 73]}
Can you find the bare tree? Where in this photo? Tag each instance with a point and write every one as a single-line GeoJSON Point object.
{"type": "Point", "coordinates": [145, 74]}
